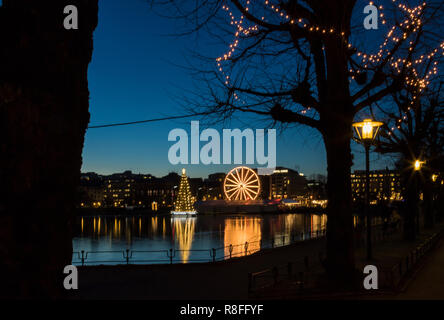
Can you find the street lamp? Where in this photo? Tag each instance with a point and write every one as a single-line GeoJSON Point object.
{"type": "Point", "coordinates": [367, 131]}
{"type": "Point", "coordinates": [418, 164]}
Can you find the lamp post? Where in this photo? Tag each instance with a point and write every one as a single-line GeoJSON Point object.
{"type": "Point", "coordinates": [417, 166]}
{"type": "Point", "coordinates": [367, 131]}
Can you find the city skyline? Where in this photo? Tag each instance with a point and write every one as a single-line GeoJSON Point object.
{"type": "Point", "coordinates": [206, 174]}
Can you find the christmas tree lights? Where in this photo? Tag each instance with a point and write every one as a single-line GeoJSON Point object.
{"type": "Point", "coordinates": [184, 202]}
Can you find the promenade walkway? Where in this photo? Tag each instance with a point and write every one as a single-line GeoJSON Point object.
{"type": "Point", "coordinates": [425, 283]}
{"type": "Point", "coordinates": [428, 280]}
{"type": "Point", "coordinates": [388, 256]}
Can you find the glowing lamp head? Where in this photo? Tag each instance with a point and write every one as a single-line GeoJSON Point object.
{"type": "Point", "coordinates": [183, 171]}
{"type": "Point", "coordinates": [367, 130]}
{"type": "Point", "coordinates": [418, 164]}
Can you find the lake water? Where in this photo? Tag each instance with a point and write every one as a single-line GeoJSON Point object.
{"type": "Point", "coordinates": [106, 239]}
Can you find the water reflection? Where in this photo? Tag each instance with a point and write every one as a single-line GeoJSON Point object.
{"type": "Point", "coordinates": [317, 223]}
{"type": "Point", "coordinates": [198, 234]}
{"type": "Point", "coordinates": [154, 224]}
{"type": "Point", "coordinates": [240, 230]}
{"type": "Point", "coordinates": [183, 233]}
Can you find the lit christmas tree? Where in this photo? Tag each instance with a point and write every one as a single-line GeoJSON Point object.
{"type": "Point", "coordinates": [184, 202]}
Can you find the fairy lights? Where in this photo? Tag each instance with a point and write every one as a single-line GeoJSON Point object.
{"type": "Point", "coordinates": [399, 34]}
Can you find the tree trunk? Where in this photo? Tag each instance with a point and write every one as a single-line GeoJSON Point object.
{"type": "Point", "coordinates": [410, 211]}
{"type": "Point", "coordinates": [429, 212]}
{"type": "Point", "coordinates": [340, 247]}
{"type": "Point", "coordinates": [336, 126]}
{"type": "Point", "coordinates": [44, 114]}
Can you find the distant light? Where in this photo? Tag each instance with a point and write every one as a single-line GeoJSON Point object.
{"type": "Point", "coordinates": [418, 165]}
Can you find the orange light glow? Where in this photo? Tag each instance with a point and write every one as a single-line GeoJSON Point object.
{"type": "Point", "coordinates": [242, 183]}
{"type": "Point", "coordinates": [239, 231]}
{"type": "Point", "coordinates": [367, 129]}
{"type": "Point", "coordinates": [418, 164]}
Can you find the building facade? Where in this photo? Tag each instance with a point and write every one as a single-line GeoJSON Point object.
{"type": "Point", "coordinates": [385, 185]}
{"type": "Point", "coordinates": [91, 190]}
{"type": "Point", "coordinates": [283, 183]}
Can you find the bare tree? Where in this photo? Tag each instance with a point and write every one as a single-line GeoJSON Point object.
{"type": "Point", "coordinates": [415, 132]}
{"type": "Point", "coordinates": [295, 62]}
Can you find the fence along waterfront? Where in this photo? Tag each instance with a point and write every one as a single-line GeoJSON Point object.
{"type": "Point", "coordinates": [199, 255]}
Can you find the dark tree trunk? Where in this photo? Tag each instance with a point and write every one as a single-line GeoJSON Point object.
{"type": "Point", "coordinates": [336, 121]}
{"type": "Point", "coordinates": [411, 209]}
{"type": "Point", "coordinates": [340, 249]}
{"type": "Point", "coordinates": [44, 114]}
{"type": "Point", "coordinates": [429, 212]}
{"type": "Point", "coordinates": [439, 204]}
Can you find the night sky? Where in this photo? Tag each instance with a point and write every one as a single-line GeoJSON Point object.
{"type": "Point", "coordinates": [134, 75]}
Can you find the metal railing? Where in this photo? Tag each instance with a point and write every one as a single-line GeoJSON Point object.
{"type": "Point", "coordinates": [300, 271]}
{"type": "Point", "coordinates": [396, 274]}
{"type": "Point", "coordinates": [380, 232]}
{"type": "Point", "coordinates": [297, 271]}
{"type": "Point", "coordinates": [173, 255]}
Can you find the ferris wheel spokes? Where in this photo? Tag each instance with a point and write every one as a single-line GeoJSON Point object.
{"type": "Point", "coordinates": [241, 183]}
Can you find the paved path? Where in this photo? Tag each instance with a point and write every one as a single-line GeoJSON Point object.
{"type": "Point", "coordinates": [428, 283]}
{"type": "Point", "coordinates": [220, 280]}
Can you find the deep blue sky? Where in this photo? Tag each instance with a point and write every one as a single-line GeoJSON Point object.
{"type": "Point", "coordinates": [133, 76]}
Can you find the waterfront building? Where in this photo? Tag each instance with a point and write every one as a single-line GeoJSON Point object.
{"type": "Point", "coordinates": [126, 190]}
{"type": "Point", "coordinates": [284, 183]}
{"type": "Point", "coordinates": [212, 188]}
{"type": "Point", "coordinates": [119, 190]}
{"type": "Point", "coordinates": [385, 185]}
{"type": "Point", "coordinates": [162, 190]}
{"type": "Point", "coordinates": [91, 190]}
{"type": "Point", "coordinates": [316, 190]}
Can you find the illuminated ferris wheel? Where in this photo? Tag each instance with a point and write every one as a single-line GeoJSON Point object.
{"type": "Point", "coordinates": [242, 183]}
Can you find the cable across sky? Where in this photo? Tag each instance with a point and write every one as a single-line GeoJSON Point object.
{"type": "Point", "coordinates": [145, 121]}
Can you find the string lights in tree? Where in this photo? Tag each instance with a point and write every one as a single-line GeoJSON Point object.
{"type": "Point", "coordinates": [389, 60]}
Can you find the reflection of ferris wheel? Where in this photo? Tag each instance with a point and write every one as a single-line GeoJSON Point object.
{"type": "Point", "coordinates": [242, 183]}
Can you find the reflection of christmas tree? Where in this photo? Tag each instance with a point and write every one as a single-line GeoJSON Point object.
{"type": "Point", "coordinates": [183, 201]}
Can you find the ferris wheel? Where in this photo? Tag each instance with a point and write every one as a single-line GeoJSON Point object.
{"type": "Point", "coordinates": [242, 183]}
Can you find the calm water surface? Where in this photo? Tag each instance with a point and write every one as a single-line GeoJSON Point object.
{"type": "Point", "coordinates": [105, 239]}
